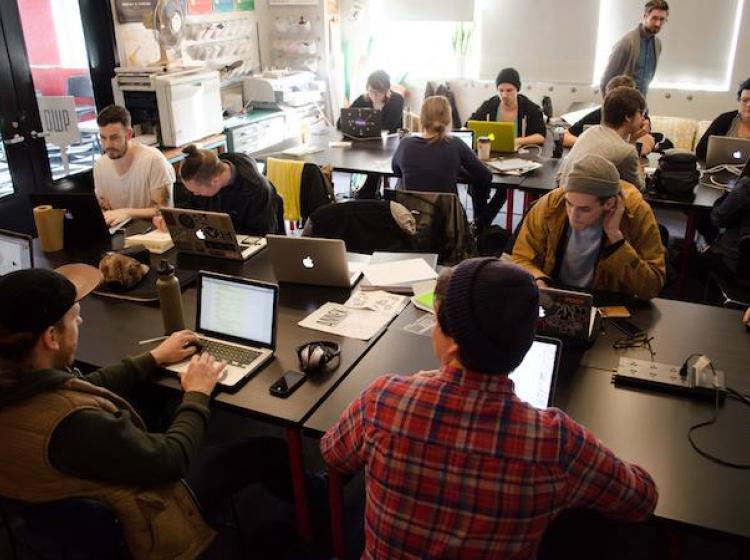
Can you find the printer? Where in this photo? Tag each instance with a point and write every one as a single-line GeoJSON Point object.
{"type": "Point", "coordinates": [276, 89]}
{"type": "Point", "coordinates": [175, 107]}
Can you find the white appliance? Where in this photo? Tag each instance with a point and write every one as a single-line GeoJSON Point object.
{"type": "Point", "coordinates": [278, 88]}
{"type": "Point", "coordinates": [185, 105]}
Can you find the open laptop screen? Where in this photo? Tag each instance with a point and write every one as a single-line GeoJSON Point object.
{"type": "Point", "coordinates": [534, 379]}
{"type": "Point", "coordinates": [238, 309]}
{"type": "Point", "coordinates": [15, 252]}
{"type": "Point", "coordinates": [467, 136]}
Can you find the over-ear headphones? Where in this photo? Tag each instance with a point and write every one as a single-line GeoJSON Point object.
{"type": "Point", "coordinates": [314, 357]}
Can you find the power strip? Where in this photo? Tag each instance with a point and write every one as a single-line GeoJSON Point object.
{"type": "Point", "coordinates": [666, 378]}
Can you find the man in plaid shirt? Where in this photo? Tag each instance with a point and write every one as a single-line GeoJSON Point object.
{"type": "Point", "coordinates": [456, 465]}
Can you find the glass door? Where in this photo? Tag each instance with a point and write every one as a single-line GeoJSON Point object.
{"type": "Point", "coordinates": [47, 109]}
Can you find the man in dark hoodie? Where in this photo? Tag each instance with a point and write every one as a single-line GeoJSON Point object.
{"type": "Point", "coordinates": [67, 435]}
{"type": "Point", "coordinates": [230, 183]}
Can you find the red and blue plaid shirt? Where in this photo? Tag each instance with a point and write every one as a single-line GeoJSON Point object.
{"type": "Point", "coordinates": [457, 466]}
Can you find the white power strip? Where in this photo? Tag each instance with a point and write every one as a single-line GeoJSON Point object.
{"type": "Point", "coordinates": [666, 377]}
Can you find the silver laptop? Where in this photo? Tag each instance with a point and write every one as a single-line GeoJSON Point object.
{"type": "Point", "coordinates": [312, 260]}
{"type": "Point", "coordinates": [727, 150]}
{"type": "Point", "coordinates": [467, 136]}
{"type": "Point", "coordinates": [534, 380]}
{"type": "Point", "coordinates": [212, 234]}
{"type": "Point", "coordinates": [16, 251]}
{"type": "Point", "coordinates": [235, 321]}
{"type": "Point", "coordinates": [568, 315]}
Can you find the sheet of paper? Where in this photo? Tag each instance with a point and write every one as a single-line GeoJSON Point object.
{"type": "Point", "coordinates": [377, 300]}
{"type": "Point", "coordinates": [422, 326]}
{"type": "Point", "coordinates": [399, 272]}
{"type": "Point", "coordinates": [338, 319]}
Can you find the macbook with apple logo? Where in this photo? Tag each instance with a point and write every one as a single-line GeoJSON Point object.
{"type": "Point", "coordinates": [211, 234]}
{"type": "Point", "coordinates": [315, 261]}
{"type": "Point", "coordinates": [727, 150]}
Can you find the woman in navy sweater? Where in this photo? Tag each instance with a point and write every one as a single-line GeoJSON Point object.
{"type": "Point", "coordinates": [436, 161]}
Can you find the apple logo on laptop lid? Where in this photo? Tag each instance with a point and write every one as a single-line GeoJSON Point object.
{"type": "Point", "coordinates": [307, 262]}
{"type": "Point", "coordinates": [737, 155]}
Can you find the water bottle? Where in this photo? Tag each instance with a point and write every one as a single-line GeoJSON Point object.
{"type": "Point", "coordinates": [170, 298]}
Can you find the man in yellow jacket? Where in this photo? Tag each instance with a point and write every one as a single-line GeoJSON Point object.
{"type": "Point", "coordinates": [594, 232]}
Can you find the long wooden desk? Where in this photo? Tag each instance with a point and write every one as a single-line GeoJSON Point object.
{"type": "Point", "coordinates": [643, 427]}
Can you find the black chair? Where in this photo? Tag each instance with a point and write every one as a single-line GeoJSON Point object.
{"type": "Point", "coordinates": [79, 527]}
{"type": "Point", "coordinates": [735, 288]}
{"type": "Point", "coordinates": [81, 86]}
{"type": "Point", "coordinates": [442, 225]}
{"type": "Point", "coordinates": [365, 225]}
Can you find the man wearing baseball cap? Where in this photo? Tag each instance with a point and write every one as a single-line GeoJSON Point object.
{"type": "Point", "coordinates": [456, 465]}
{"type": "Point", "coordinates": [67, 435]}
{"type": "Point", "coordinates": [594, 232]}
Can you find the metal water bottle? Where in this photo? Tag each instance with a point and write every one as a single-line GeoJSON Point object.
{"type": "Point", "coordinates": [170, 298]}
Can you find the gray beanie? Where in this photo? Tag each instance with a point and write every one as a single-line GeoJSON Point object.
{"type": "Point", "coordinates": [593, 174]}
{"type": "Point", "coordinates": [490, 309]}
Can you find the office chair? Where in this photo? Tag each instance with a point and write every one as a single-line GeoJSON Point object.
{"type": "Point", "coordinates": [75, 526]}
{"type": "Point", "coordinates": [735, 289]}
{"type": "Point", "coordinates": [80, 86]}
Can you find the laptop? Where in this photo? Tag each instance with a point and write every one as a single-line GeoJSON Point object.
{"type": "Point", "coordinates": [211, 234]}
{"type": "Point", "coordinates": [568, 315]}
{"type": "Point", "coordinates": [727, 150]}
{"type": "Point", "coordinates": [84, 221]}
{"type": "Point", "coordinates": [361, 123]}
{"type": "Point", "coordinates": [467, 136]}
{"type": "Point", "coordinates": [502, 134]}
{"type": "Point", "coordinates": [16, 251]}
{"type": "Point", "coordinates": [312, 260]}
{"type": "Point", "coordinates": [235, 321]}
{"type": "Point", "coordinates": [535, 379]}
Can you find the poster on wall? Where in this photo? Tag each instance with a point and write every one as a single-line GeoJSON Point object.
{"type": "Point", "coordinates": [200, 7]}
{"type": "Point", "coordinates": [244, 5]}
{"type": "Point", "coordinates": [132, 11]}
{"type": "Point", "coordinates": [223, 5]}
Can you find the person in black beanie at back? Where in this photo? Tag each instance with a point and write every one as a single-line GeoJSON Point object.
{"type": "Point", "coordinates": [507, 106]}
{"type": "Point", "coordinates": [479, 471]}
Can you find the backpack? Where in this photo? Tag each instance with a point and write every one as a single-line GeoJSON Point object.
{"type": "Point", "coordinates": [677, 174]}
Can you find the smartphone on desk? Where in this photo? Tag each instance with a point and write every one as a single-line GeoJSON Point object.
{"type": "Point", "coordinates": [287, 384]}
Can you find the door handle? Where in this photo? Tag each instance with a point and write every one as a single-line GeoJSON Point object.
{"type": "Point", "coordinates": [17, 139]}
{"type": "Point", "coordinates": [35, 134]}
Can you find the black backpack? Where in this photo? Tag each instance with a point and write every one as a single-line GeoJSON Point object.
{"type": "Point", "coordinates": [677, 174]}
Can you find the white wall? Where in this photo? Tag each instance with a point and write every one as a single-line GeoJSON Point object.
{"type": "Point", "coordinates": [690, 104]}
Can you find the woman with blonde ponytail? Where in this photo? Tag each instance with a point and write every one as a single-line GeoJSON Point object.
{"type": "Point", "coordinates": [433, 160]}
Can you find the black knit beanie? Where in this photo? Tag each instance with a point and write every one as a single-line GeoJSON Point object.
{"type": "Point", "coordinates": [491, 310]}
{"type": "Point", "coordinates": [509, 76]}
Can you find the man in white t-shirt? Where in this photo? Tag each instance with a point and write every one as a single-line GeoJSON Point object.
{"type": "Point", "coordinates": [131, 180]}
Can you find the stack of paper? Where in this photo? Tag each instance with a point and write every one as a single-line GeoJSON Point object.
{"type": "Point", "coordinates": [397, 276]}
{"type": "Point", "coordinates": [341, 320]}
{"type": "Point", "coordinates": [155, 241]}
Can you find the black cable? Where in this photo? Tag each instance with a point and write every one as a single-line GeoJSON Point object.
{"type": "Point", "coordinates": [712, 420]}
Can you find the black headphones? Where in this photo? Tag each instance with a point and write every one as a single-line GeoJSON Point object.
{"type": "Point", "coordinates": [315, 356]}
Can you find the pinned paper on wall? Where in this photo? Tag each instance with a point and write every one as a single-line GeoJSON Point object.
{"type": "Point", "coordinates": [223, 5]}
{"type": "Point", "coordinates": [244, 5]}
{"type": "Point", "coordinates": [200, 7]}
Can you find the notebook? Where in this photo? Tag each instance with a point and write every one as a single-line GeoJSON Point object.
{"type": "Point", "coordinates": [502, 134]}
{"type": "Point", "coordinates": [84, 221]}
{"type": "Point", "coordinates": [361, 123]}
{"type": "Point", "coordinates": [313, 260]}
{"type": "Point", "coordinates": [568, 315]}
{"type": "Point", "coordinates": [727, 150]}
{"type": "Point", "coordinates": [16, 252]}
{"type": "Point", "coordinates": [534, 380]}
{"type": "Point", "coordinates": [235, 321]}
{"type": "Point", "coordinates": [212, 234]}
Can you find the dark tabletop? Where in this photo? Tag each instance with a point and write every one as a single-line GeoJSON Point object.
{"type": "Point", "coordinates": [112, 328]}
{"type": "Point", "coordinates": [642, 427]}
